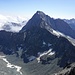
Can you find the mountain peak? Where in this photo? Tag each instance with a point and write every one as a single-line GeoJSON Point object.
{"type": "Point", "coordinates": [40, 14]}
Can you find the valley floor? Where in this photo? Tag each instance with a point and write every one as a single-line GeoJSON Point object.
{"type": "Point", "coordinates": [31, 68]}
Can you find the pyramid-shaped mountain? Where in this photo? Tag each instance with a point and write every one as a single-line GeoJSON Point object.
{"type": "Point", "coordinates": [42, 20]}
{"type": "Point", "coordinates": [41, 44]}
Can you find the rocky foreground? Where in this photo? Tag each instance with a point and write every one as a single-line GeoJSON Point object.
{"type": "Point", "coordinates": [69, 70]}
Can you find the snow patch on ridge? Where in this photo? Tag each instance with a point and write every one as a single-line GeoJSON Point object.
{"type": "Point", "coordinates": [57, 33]}
{"type": "Point", "coordinates": [49, 52]}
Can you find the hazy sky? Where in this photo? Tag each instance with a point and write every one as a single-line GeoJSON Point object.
{"type": "Point", "coordinates": [53, 8]}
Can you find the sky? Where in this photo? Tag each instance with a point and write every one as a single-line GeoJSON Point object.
{"type": "Point", "coordinates": [53, 8]}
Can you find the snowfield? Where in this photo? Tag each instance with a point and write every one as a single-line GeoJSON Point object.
{"type": "Point", "coordinates": [18, 68]}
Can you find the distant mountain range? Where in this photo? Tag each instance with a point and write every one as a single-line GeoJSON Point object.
{"type": "Point", "coordinates": [71, 22]}
{"type": "Point", "coordinates": [44, 44]}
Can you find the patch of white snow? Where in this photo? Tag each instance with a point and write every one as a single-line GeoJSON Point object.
{"type": "Point", "coordinates": [11, 65]}
{"type": "Point", "coordinates": [49, 52]}
{"type": "Point", "coordinates": [44, 43]}
{"type": "Point", "coordinates": [57, 33]}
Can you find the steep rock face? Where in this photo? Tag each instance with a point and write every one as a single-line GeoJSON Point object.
{"type": "Point", "coordinates": [43, 20]}
{"type": "Point", "coordinates": [64, 28]}
{"type": "Point", "coordinates": [39, 29]}
{"type": "Point", "coordinates": [61, 46]}
{"type": "Point", "coordinates": [9, 42]}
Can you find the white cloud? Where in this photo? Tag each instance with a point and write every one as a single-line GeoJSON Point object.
{"type": "Point", "coordinates": [16, 19]}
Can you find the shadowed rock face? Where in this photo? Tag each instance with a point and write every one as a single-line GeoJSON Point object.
{"type": "Point", "coordinates": [72, 72]}
{"type": "Point", "coordinates": [37, 31]}
{"type": "Point", "coordinates": [68, 70]}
